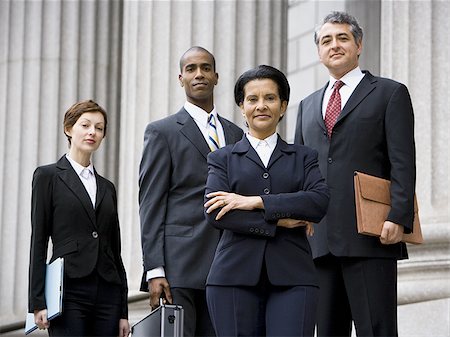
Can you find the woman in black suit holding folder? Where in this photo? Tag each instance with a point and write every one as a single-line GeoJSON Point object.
{"type": "Point", "coordinates": [262, 192]}
{"type": "Point", "coordinates": [77, 208]}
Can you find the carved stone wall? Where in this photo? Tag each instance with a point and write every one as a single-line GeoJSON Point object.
{"type": "Point", "coordinates": [407, 41]}
{"type": "Point", "coordinates": [125, 55]}
{"type": "Point", "coordinates": [52, 53]}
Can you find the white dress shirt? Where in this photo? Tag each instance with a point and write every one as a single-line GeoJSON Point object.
{"type": "Point", "coordinates": [263, 147]}
{"type": "Point", "coordinates": [87, 177]}
{"type": "Point", "coordinates": [351, 81]}
{"type": "Point", "coordinates": [200, 117]}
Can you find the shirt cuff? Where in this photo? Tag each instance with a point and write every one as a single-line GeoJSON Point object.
{"type": "Point", "coordinates": [156, 272]}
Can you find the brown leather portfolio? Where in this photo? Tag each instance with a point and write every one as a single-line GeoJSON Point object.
{"type": "Point", "coordinates": [373, 203]}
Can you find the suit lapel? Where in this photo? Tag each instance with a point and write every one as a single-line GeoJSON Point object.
{"type": "Point", "coordinates": [101, 189]}
{"type": "Point", "coordinates": [191, 131]}
{"type": "Point", "coordinates": [243, 146]}
{"type": "Point", "coordinates": [279, 151]}
{"type": "Point", "coordinates": [364, 88]}
{"type": "Point", "coordinates": [230, 137]}
{"type": "Point", "coordinates": [68, 175]}
{"type": "Point", "coordinates": [317, 106]}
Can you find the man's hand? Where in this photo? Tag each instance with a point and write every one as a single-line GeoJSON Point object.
{"type": "Point", "coordinates": [391, 233]}
{"type": "Point", "coordinates": [159, 287]}
{"type": "Point", "coordinates": [40, 318]}
{"type": "Point", "coordinates": [293, 223]}
{"type": "Point", "coordinates": [124, 327]}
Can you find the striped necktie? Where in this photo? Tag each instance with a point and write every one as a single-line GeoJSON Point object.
{"type": "Point", "coordinates": [213, 138]}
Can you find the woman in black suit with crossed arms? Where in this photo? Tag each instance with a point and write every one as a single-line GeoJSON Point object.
{"type": "Point", "coordinates": [77, 208]}
{"type": "Point", "coordinates": [263, 192]}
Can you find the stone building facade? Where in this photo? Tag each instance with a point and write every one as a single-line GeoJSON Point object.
{"type": "Point", "coordinates": [124, 54]}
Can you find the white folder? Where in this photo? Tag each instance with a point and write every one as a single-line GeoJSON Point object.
{"type": "Point", "coordinates": [54, 277]}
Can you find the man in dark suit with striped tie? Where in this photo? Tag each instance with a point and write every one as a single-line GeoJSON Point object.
{"type": "Point", "coordinates": [177, 244]}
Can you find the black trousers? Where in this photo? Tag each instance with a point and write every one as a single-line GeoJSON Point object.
{"type": "Point", "coordinates": [196, 317]}
{"type": "Point", "coordinates": [91, 307]}
{"type": "Point", "coordinates": [263, 310]}
{"type": "Point", "coordinates": [362, 290]}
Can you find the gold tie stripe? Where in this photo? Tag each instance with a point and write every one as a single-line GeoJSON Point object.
{"type": "Point", "coordinates": [213, 138]}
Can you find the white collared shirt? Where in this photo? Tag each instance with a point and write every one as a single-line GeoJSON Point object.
{"type": "Point", "coordinates": [87, 177]}
{"type": "Point", "coordinates": [263, 147]}
{"type": "Point", "coordinates": [200, 117]}
{"type": "Point", "coordinates": [351, 81]}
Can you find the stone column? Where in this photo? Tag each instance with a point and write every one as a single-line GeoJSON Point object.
{"type": "Point", "coordinates": [241, 34]}
{"type": "Point", "coordinates": [415, 51]}
{"type": "Point", "coordinates": [52, 53]}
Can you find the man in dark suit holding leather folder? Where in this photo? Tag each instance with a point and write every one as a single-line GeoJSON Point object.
{"type": "Point", "coordinates": [358, 122]}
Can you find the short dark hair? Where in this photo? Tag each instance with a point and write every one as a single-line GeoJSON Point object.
{"type": "Point", "coordinates": [341, 18]}
{"type": "Point", "coordinates": [75, 111]}
{"type": "Point", "coordinates": [200, 49]}
{"type": "Point", "coordinates": [262, 72]}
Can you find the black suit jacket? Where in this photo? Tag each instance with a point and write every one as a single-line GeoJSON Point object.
{"type": "Point", "coordinates": [291, 187]}
{"type": "Point", "coordinates": [88, 239]}
{"type": "Point", "coordinates": [172, 179]}
{"type": "Point", "coordinates": [373, 134]}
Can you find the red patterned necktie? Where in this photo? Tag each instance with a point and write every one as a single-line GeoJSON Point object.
{"type": "Point", "coordinates": [333, 108]}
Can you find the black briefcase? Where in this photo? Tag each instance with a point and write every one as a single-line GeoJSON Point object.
{"type": "Point", "coordinates": [165, 321]}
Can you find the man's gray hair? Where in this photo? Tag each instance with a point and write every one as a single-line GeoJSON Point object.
{"type": "Point", "coordinates": [341, 18]}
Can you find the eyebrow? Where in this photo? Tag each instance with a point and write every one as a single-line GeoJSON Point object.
{"type": "Point", "coordinates": [88, 120]}
{"type": "Point", "coordinates": [338, 35]}
{"type": "Point", "coordinates": [196, 64]}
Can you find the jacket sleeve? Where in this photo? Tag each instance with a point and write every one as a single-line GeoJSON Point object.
{"type": "Point", "coordinates": [154, 182]}
{"type": "Point", "coordinates": [41, 220]}
{"type": "Point", "coordinates": [310, 203]}
{"type": "Point", "coordinates": [399, 125]}
{"type": "Point", "coordinates": [117, 248]}
{"type": "Point", "coordinates": [239, 221]}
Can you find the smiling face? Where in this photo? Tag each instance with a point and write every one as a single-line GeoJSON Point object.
{"type": "Point", "coordinates": [262, 107]}
{"type": "Point", "coordinates": [198, 77]}
{"type": "Point", "coordinates": [337, 49]}
{"type": "Point", "coordinates": [86, 134]}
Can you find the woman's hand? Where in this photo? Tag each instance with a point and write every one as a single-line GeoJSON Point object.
{"type": "Point", "coordinates": [228, 201]}
{"type": "Point", "coordinates": [124, 327]}
{"type": "Point", "coordinates": [40, 318]}
{"type": "Point", "coordinates": [293, 223]}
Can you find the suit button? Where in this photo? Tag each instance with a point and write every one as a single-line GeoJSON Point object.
{"type": "Point", "coordinates": [267, 233]}
{"type": "Point", "coordinates": [252, 230]}
{"type": "Point", "coordinates": [266, 191]}
{"type": "Point", "coordinates": [94, 234]}
{"type": "Point", "coordinates": [256, 230]}
{"type": "Point", "coordinates": [330, 160]}
{"type": "Point", "coordinates": [265, 175]}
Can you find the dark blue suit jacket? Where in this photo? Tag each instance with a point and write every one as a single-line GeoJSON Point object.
{"type": "Point", "coordinates": [291, 187]}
